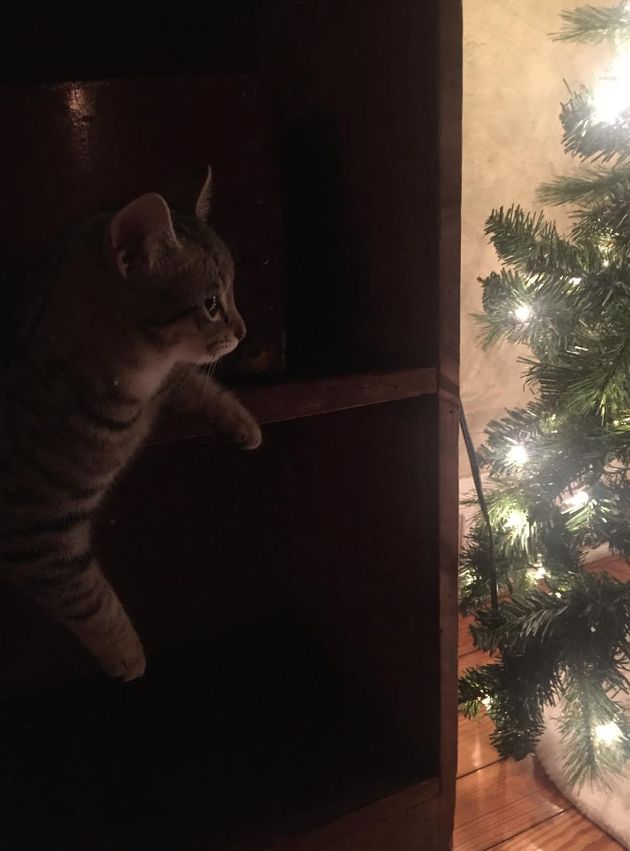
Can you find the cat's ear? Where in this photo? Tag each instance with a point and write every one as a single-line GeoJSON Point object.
{"type": "Point", "coordinates": [141, 233]}
{"type": "Point", "coordinates": [202, 207]}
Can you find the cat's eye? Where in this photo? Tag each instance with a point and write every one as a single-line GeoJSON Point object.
{"type": "Point", "coordinates": [212, 306]}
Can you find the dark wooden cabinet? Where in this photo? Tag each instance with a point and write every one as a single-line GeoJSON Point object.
{"type": "Point", "coordinates": [298, 604]}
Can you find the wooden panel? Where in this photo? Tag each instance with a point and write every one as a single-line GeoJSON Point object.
{"type": "Point", "coordinates": [362, 178]}
{"type": "Point", "coordinates": [201, 537]}
{"type": "Point", "coordinates": [449, 62]}
{"type": "Point", "coordinates": [342, 519]}
{"type": "Point", "coordinates": [569, 831]}
{"type": "Point", "coordinates": [363, 544]}
{"type": "Point", "coordinates": [355, 565]}
{"type": "Point", "coordinates": [403, 833]}
{"type": "Point", "coordinates": [271, 403]}
{"type": "Point", "coordinates": [395, 823]}
{"type": "Point", "coordinates": [81, 148]}
{"type": "Point", "coordinates": [448, 428]}
{"type": "Point", "coordinates": [80, 43]}
{"type": "Point", "coordinates": [501, 801]}
{"type": "Point", "coordinates": [250, 738]}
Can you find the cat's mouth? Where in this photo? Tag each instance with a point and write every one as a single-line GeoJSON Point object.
{"type": "Point", "coordinates": [215, 351]}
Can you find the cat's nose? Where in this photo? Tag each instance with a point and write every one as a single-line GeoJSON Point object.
{"type": "Point", "coordinates": [239, 329]}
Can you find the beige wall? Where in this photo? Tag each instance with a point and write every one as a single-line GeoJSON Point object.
{"type": "Point", "coordinates": [513, 86]}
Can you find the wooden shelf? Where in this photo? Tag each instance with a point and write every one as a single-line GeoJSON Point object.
{"type": "Point", "coordinates": [210, 762]}
{"type": "Point", "coordinates": [298, 604]}
{"type": "Point", "coordinates": [291, 400]}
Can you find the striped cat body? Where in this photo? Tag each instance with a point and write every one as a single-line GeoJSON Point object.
{"type": "Point", "coordinates": [108, 332]}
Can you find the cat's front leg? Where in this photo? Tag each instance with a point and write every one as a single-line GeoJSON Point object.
{"type": "Point", "coordinates": [198, 394]}
{"type": "Point", "coordinates": [234, 422]}
{"type": "Point", "coordinates": [73, 589]}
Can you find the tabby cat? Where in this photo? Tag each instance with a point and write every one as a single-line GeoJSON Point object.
{"type": "Point", "coordinates": [112, 329]}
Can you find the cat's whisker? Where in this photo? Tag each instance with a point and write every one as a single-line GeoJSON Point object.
{"type": "Point", "coordinates": [206, 382]}
{"type": "Point", "coordinates": [186, 378]}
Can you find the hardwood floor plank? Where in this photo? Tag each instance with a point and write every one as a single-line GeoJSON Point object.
{"type": "Point", "coordinates": [614, 566]}
{"type": "Point", "coordinates": [570, 831]}
{"type": "Point", "coordinates": [474, 750]}
{"type": "Point", "coordinates": [501, 800]}
{"type": "Point", "coordinates": [465, 641]}
{"type": "Point", "coordinates": [471, 660]}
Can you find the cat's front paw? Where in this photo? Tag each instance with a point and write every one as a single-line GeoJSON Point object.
{"type": "Point", "coordinates": [239, 427]}
{"type": "Point", "coordinates": [125, 662]}
{"type": "Point", "coordinates": [133, 667]}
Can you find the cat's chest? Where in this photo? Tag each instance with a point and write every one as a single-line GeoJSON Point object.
{"type": "Point", "coordinates": [116, 439]}
{"type": "Point", "coordinates": [85, 432]}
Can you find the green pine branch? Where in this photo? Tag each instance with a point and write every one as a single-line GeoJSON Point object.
{"type": "Point", "coordinates": [589, 138]}
{"type": "Point", "coordinates": [533, 244]}
{"type": "Point", "coordinates": [592, 185]}
{"type": "Point", "coordinates": [546, 300]}
{"type": "Point", "coordinates": [595, 24]}
{"type": "Point", "coordinates": [608, 223]}
{"type": "Point", "coordinates": [552, 647]}
{"type": "Point", "coordinates": [593, 376]}
{"type": "Point", "coordinates": [587, 707]}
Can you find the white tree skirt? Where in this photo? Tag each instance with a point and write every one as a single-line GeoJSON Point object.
{"type": "Point", "coordinates": [608, 808]}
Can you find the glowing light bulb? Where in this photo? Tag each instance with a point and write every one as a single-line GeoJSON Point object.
{"type": "Point", "coordinates": [577, 500]}
{"type": "Point", "coordinates": [522, 313]}
{"type": "Point", "coordinates": [516, 519]}
{"type": "Point", "coordinates": [611, 97]}
{"type": "Point", "coordinates": [608, 733]}
{"type": "Point", "coordinates": [517, 455]}
{"type": "Point", "coordinates": [487, 702]}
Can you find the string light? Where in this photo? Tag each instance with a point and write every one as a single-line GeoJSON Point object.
{"type": "Point", "coordinates": [537, 570]}
{"type": "Point", "coordinates": [577, 500]}
{"type": "Point", "coordinates": [522, 313]}
{"type": "Point", "coordinates": [516, 519]}
{"type": "Point", "coordinates": [487, 702]}
{"type": "Point", "coordinates": [611, 96]}
{"type": "Point", "coordinates": [608, 733]}
{"type": "Point", "coordinates": [517, 455]}
{"type": "Point", "coordinates": [575, 281]}
{"type": "Point", "coordinates": [605, 245]}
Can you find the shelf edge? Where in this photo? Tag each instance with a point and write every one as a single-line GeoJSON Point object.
{"type": "Point", "coordinates": [291, 400]}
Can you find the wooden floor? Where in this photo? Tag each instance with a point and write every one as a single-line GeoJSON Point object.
{"type": "Point", "coordinates": [503, 804]}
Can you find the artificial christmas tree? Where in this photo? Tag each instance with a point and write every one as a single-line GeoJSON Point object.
{"type": "Point", "coordinates": [557, 469]}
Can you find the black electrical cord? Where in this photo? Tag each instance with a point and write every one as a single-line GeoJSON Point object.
{"type": "Point", "coordinates": [476, 474]}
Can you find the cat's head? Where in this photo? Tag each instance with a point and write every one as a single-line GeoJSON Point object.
{"type": "Point", "coordinates": [181, 275]}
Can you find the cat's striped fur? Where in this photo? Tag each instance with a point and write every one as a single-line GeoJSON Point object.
{"type": "Point", "coordinates": [110, 331]}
